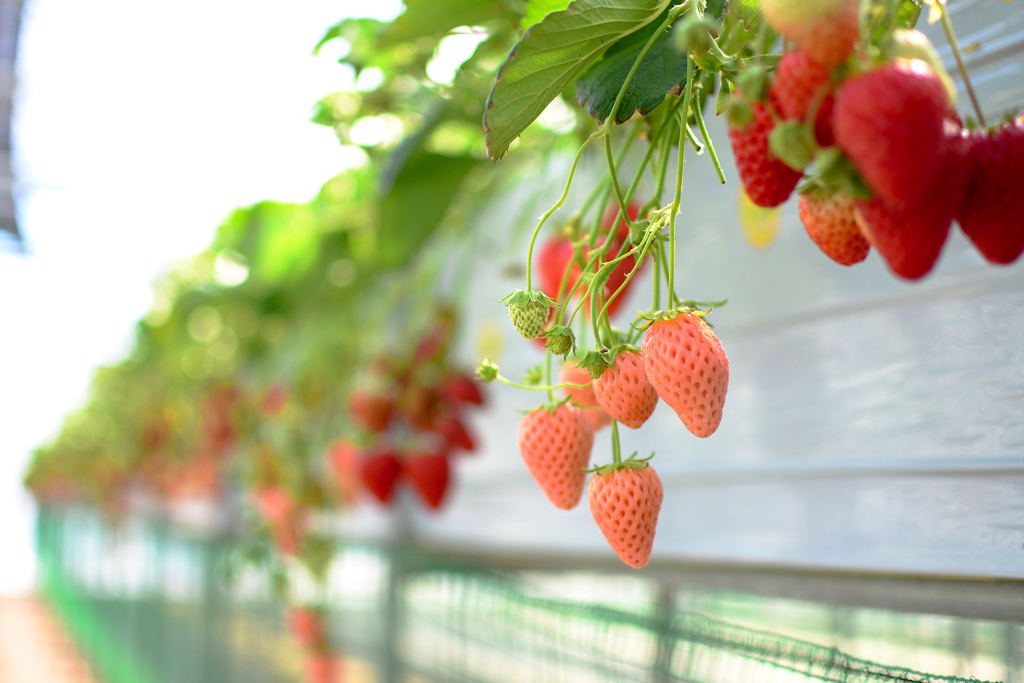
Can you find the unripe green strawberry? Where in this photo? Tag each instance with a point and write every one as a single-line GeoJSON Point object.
{"type": "Point", "coordinates": [529, 312]}
{"type": "Point", "coordinates": [556, 448]}
{"type": "Point", "coordinates": [624, 392]}
{"type": "Point", "coordinates": [686, 365]}
{"type": "Point", "coordinates": [625, 504]}
{"type": "Point", "coordinates": [830, 223]}
{"type": "Point", "coordinates": [827, 30]}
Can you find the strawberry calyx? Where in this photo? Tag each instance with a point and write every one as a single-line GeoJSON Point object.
{"type": "Point", "coordinates": [551, 406]}
{"type": "Point", "coordinates": [487, 371]}
{"type": "Point", "coordinates": [688, 307]}
{"type": "Point", "coordinates": [521, 299]}
{"type": "Point", "coordinates": [630, 463]}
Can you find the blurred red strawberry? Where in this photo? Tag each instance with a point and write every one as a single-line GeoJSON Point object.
{"type": "Point", "coordinates": [454, 433]}
{"type": "Point", "coordinates": [379, 473]}
{"type": "Point", "coordinates": [274, 399]}
{"type": "Point", "coordinates": [370, 411]}
{"type": "Point", "coordinates": [343, 458]}
{"type": "Point", "coordinates": [307, 625]}
{"type": "Point", "coordinates": [429, 475]}
{"type": "Point", "coordinates": [459, 388]}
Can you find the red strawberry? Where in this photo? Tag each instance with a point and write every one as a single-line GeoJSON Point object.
{"type": "Point", "coordinates": [454, 433]}
{"type": "Point", "coordinates": [797, 83]}
{"type": "Point", "coordinates": [827, 30]}
{"type": "Point", "coordinates": [459, 388]}
{"type": "Point", "coordinates": [625, 504]}
{"type": "Point", "coordinates": [584, 399]}
{"type": "Point", "coordinates": [307, 625]}
{"type": "Point", "coordinates": [992, 213]}
{"type": "Point", "coordinates": [285, 518]}
{"type": "Point", "coordinates": [370, 411]}
{"type": "Point", "coordinates": [556, 449]}
{"type": "Point", "coordinates": [379, 473]}
{"type": "Point", "coordinates": [830, 223]}
{"type": "Point", "coordinates": [624, 392]}
{"type": "Point", "coordinates": [343, 459]}
{"type": "Point", "coordinates": [767, 180]}
{"type": "Point", "coordinates": [910, 238]}
{"type": "Point", "coordinates": [686, 365]}
{"type": "Point", "coordinates": [429, 475]}
{"type": "Point", "coordinates": [889, 122]}
{"type": "Point", "coordinates": [274, 400]}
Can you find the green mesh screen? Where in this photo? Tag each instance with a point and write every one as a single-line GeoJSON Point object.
{"type": "Point", "coordinates": [149, 604]}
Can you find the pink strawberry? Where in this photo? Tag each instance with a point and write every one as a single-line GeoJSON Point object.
{"type": "Point", "coordinates": [307, 625]}
{"type": "Point", "coordinates": [767, 180]}
{"type": "Point", "coordinates": [343, 459]}
{"type": "Point", "coordinates": [584, 399]}
{"type": "Point", "coordinates": [624, 392]}
{"type": "Point", "coordinates": [889, 123]}
{"type": "Point", "coordinates": [910, 238]}
{"type": "Point", "coordinates": [556, 448]}
{"type": "Point", "coordinates": [686, 365]}
{"type": "Point", "coordinates": [827, 30]}
{"type": "Point", "coordinates": [429, 475]}
{"type": "Point", "coordinates": [798, 81]}
{"type": "Point", "coordinates": [323, 668]}
{"type": "Point", "coordinates": [992, 213]}
{"type": "Point", "coordinates": [830, 223]}
{"type": "Point", "coordinates": [625, 504]}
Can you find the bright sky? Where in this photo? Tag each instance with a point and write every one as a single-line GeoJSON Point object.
{"type": "Point", "coordinates": [138, 128]}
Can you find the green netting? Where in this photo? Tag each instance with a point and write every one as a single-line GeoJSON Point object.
{"type": "Point", "coordinates": [150, 605]}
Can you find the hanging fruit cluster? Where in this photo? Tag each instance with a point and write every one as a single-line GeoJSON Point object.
{"type": "Point", "coordinates": [859, 119]}
{"type": "Point", "coordinates": [411, 418]}
{"type": "Point", "coordinates": [874, 135]}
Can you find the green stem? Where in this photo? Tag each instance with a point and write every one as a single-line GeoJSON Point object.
{"type": "Point", "coordinates": [657, 281]}
{"type": "Point", "coordinates": [707, 141]}
{"type": "Point", "coordinates": [697, 147]}
{"type": "Point", "coordinates": [947, 25]}
{"type": "Point", "coordinates": [672, 15]}
{"type": "Point", "coordinates": [547, 214]}
{"type": "Point", "coordinates": [616, 447]}
{"type": "Point", "coordinates": [623, 213]}
{"type": "Point", "coordinates": [679, 185]}
{"type": "Point", "coordinates": [547, 376]}
{"type": "Point", "coordinates": [548, 388]}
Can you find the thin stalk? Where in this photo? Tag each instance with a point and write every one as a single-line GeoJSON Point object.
{"type": "Point", "coordinates": [547, 376]}
{"type": "Point", "coordinates": [707, 141]}
{"type": "Point", "coordinates": [547, 214]}
{"type": "Point", "coordinates": [947, 25]}
{"type": "Point", "coordinates": [616, 447]}
{"type": "Point", "coordinates": [679, 185]}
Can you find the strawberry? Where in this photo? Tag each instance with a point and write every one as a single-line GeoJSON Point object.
{"type": "Point", "coordinates": [429, 475]}
{"type": "Point", "coordinates": [343, 458]}
{"type": "Point", "coordinates": [584, 399]}
{"type": "Point", "coordinates": [992, 213]}
{"type": "Point", "coordinates": [555, 445]}
{"type": "Point", "coordinates": [379, 473]}
{"type": "Point", "coordinates": [767, 180]}
{"type": "Point", "coordinates": [827, 30]}
{"type": "Point", "coordinates": [556, 255]}
{"type": "Point", "coordinates": [910, 237]}
{"type": "Point", "coordinates": [307, 625]}
{"type": "Point", "coordinates": [888, 122]}
{"type": "Point", "coordinates": [370, 411]}
{"type": "Point", "coordinates": [529, 318]}
{"type": "Point", "coordinates": [798, 81]}
{"type": "Point", "coordinates": [274, 400]}
{"type": "Point", "coordinates": [830, 223]}
{"type": "Point", "coordinates": [625, 504]}
{"type": "Point", "coordinates": [624, 392]}
{"type": "Point", "coordinates": [460, 388]}
{"type": "Point", "coordinates": [686, 365]}
{"type": "Point", "coordinates": [323, 668]}
{"type": "Point", "coordinates": [285, 518]}
{"type": "Point", "coordinates": [454, 433]}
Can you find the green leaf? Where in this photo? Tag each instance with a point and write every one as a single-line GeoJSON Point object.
{"type": "Point", "coordinates": [550, 56]}
{"type": "Point", "coordinates": [431, 18]}
{"type": "Point", "coordinates": [662, 71]}
{"type": "Point", "coordinates": [417, 201]}
{"type": "Point", "coordinates": [536, 10]}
